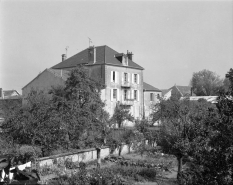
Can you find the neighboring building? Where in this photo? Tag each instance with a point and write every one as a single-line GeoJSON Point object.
{"type": "Point", "coordinates": [122, 77]}
{"type": "Point", "coordinates": [8, 98]}
{"type": "Point", "coordinates": [44, 81]}
{"type": "Point", "coordinates": [9, 94]}
{"type": "Point", "coordinates": [177, 91]}
{"type": "Point", "coordinates": [151, 97]}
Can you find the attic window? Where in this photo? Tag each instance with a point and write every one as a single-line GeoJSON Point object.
{"type": "Point", "coordinates": [122, 58]}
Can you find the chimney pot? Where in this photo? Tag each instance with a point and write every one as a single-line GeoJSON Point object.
{"type": "Point", "coordinates": [63, 57]}
{"type": "Point", "coordinates": [130, 55]}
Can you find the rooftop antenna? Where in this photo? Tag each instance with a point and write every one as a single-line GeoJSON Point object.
{"type": "Point", "coordinates": [90, 41]}
{"type": "Point", "coordinates": [66, 50]}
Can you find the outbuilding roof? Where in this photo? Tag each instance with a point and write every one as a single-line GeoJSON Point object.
{"type": "Point", "coordinates": [148, 87]}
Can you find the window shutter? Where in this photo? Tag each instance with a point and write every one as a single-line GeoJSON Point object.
{"type": "Point", "coordinates": [128, 74]}
{"type": "Point", "coordinates": [122, 95]}
{"type": "Point", "coordinates": [132, 94]}
{"type": "Point", "coordinates": [137, 95]}
{"type": "Point", "coordinates": [128, 94]}
{"type": "Point", "coordinates": [132, 78]}
{"type": "Point", "coordinates": [116, 77]}
{"type": "Point", "coordinates": [137, 78]}
{"type": "Point", "coordinates": [123, 77]}
{"type": "Point", "coordinates": [111, 76]}
{"type": "Point", "coordinates": [111, 94]}
{"type": "Point", "coordinates": [118, 95]}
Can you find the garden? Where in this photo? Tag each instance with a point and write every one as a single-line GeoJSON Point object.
{"type": "Point", "coordinates": [128, 169]}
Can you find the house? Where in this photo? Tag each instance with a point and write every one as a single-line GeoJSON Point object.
{"type": "Point", "coordinates": [9, 94]}
{"type": "Point", "coordinates": [122, 77]}
{"type": "Point", "coordinates": [177, 91]}
{"type": "Point", "coordinates": [8, 98]}
{"type": "Point", "coordinates": [151, 97]}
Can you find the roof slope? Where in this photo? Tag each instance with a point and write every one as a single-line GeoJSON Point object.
{"type": "Point", "coordinates": [148, 87]}
{"type": "Point", "coordinates": [185, 90]}
{"type": "Point", "coordinates": [63, 74]}
{"type": "Point", "coordinates": [104, 55]}
{"type": "Point", "coordinates": [10, 93]}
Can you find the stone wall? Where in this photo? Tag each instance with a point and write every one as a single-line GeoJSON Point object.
{"type": "Point", "coordinates": [84, 155]}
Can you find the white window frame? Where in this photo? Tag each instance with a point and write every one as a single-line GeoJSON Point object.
{"type": "Point", "coordinates": [114, 74]}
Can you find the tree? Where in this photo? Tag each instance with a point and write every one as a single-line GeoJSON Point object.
{"type": "Point", "coordinates": [33, 124]}
{"type": "Point", "coordinates": [72, 117]}
{"type": "Point", "coordinates": [79, 108]}
{"type": "Point", "coordinates": [120, 115]}
{"type": "Point", "coordinates": [177, 120]}
{"type": "Point", "coordinates": [206, 83]}
{"type": "Point", "coordinates": [212, 148]}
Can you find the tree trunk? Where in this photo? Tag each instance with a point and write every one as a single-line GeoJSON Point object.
{"type": "Point", "coordinates": [179, 159]}
{"type": "Point", "coordinates": [98, 157]}
{"type": "Point", "coordinates": [120, 148]}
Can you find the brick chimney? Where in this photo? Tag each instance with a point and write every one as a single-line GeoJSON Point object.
{"type": "Point", "coordinates": [130, 55]}
{"type": "Point", "coordinates": [63, 57]}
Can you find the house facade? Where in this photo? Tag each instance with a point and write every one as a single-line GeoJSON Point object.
{"type": "Point", "coordinates": [123, 78]}
{"type": "Point", "coordinates": [151, 97]}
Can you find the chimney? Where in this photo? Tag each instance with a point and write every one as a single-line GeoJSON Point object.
{"type": "Point", "coordinates": [92, 54]}
{"type": "Point", "coordinates": [130, 55]}
{"type": "Point", "coordinates": [63, 57]}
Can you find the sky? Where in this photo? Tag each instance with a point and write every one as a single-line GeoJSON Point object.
{"type": "Point", "coordinates": [170, 39]}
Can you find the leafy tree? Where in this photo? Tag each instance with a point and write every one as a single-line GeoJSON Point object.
{"type": "Point", "coordinates": [206, 83]}
{"type": "Point", "coordinates": [176, 131]}
{"type": "Point", "coordinates": [79, 108]}
{"type": "Point", "coordinates": [33, 124]}
{"type": "Point", "coordinates": [71, 117]}
{"type": "Point", "coordinates": [212, 150]}
{"type": "Point", "coordinates": [120, 115]}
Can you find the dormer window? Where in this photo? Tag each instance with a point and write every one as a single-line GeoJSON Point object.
{"type": "Point", "coordinates": [122, 58]}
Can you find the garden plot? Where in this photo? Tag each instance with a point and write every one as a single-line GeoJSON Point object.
{"type": "Point", "coordinates": [127, 169]}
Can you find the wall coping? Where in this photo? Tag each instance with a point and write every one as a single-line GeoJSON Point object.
{"type": "Point", "coordinates": [69, 153]}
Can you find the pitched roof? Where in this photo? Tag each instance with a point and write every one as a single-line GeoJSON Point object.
{"type": "Point", "coordinates": [104, 55]}
{"type": "Point", "coordinates": [10, 93]}
{"type": "Point", "coordinates": [185, 90]}
{"type": "Point", "coordinates": [165, 91]}
{"type": "Point", "coordinates": [63, 74]}
{"type": "Point", "coordinates": [148, 87]}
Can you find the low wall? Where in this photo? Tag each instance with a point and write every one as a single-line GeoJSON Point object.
{"type": "Point", "coordinates": [84, 155]}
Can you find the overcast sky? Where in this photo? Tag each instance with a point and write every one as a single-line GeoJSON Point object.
{"type": "Point", "coordinates": [170, 39]}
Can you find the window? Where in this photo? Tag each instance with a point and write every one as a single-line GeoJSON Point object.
{"type": "Point", "coordinates": [115, 94]}
{"type": "Point", "coordinates": [125, 77]}
{"type": "Point", "coordinates": [125, 94]}
{"type": "Point", "coordinates": [114, 76]}
{"type": "Point", "coordinates": [135, 94]}
{"type": "Point", "coordinates": [135, 78]}
{"type": "Point", "coordinates": [151, 96]}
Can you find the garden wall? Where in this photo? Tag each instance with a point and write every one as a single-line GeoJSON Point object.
{"type": "Point", "coordinates": [84, 155]}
